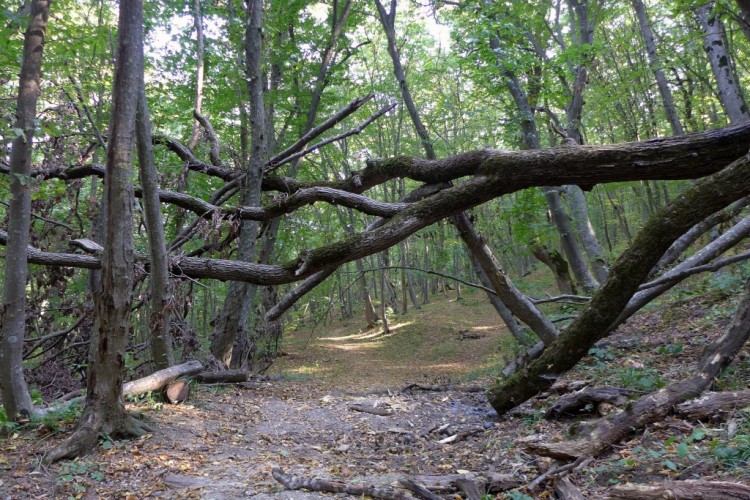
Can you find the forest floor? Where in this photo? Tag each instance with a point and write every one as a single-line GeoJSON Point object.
{"type": "Point", "coordinates": [224, 442]}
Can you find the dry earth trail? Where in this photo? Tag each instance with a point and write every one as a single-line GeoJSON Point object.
{"type": "Point", "coordinates": [224, 442]}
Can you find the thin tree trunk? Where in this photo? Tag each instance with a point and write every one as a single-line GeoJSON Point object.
{"type": "Point", "coordinates": [579, 210]}
{"type": "Point", "coordinates": [200, 49]}
{"type": "Point", "coordinates": [228, 323]}
{"type": "Point", "coordinates": [730, 93]}
{"type": "Point", "coordinates": [15, 392]}
{"type": "Point", "coordinates": [619, 213]}
{"type": "Point", "coordinates": [654, 63]}
{"type": "Point", "coordinates": [383, 306]}
{"type": "Point", "coordinates": [160, 309]}
{"type": "Point", "coordinates": [508, 294]}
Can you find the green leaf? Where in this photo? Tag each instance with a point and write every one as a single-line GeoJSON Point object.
{"type": "Point", "coordinates": [682, 450]}
{"type": "Point", "coordinates": [698, 434]}
{"type": "Point", "coordinates": [670, 465]}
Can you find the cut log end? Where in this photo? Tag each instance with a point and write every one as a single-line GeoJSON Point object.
{"type": "Point", "coordinates": [177, 392]}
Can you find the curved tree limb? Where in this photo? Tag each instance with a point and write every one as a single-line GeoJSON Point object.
{"type": "Point", "coordinates": [706, 197]}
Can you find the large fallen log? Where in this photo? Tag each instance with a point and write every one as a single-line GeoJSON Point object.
{"type": "Point", "coordinates": [154, 382]}
{"type": "Point", "coordinates": [157, 380]}
{"type": "Point", "coordinates": [714, 405]}
{"type": "Point", "coordinates": [682, 490]}
{"type": "Point", "coordinates": [656, 405]}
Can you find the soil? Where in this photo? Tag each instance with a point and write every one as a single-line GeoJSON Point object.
{"type": "Point", "coordinates": [224, 442]}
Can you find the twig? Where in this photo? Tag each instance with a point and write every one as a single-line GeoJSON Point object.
{"type": "Point", "coordinates": [579, 463]}
{"type": "Point", "coordinates": [436, 273]}
{"type": "Point", "coordinates": [51, 221]}
{"type": "Point", "coordinates": [315, 132]}
{"type": "Point", "coordinates": [714, 266]}
{"type": "Point", "coordinates": [356, 130]}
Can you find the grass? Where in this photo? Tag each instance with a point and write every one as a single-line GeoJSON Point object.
{"type": "Point", "coordinates": [422, 345]}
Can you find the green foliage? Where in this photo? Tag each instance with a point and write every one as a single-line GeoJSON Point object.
{"type": "Point", "coordinates": [644, 379]}
{"type": "Point", "coordinates": [670, 349]}
{"type": "Point", "coordinates": [6, 426]}
{"type": "Point", "coordinates": [517, 495]}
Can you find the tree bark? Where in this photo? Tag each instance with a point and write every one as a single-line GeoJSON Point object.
{"type": "Point", "coordinates": [104, 411]}
{"type": "Point", "coordinates": [729, 90]}
{"type": "Point", "coordinates": [160, 308]}
{"type": "Point", "coordinates": [518, 304]}
{"type": "Point", "coordinates": [200, 49]}
{"type": "Point", "coordinates": [655, 64]}
{"type": "Point", "coordinates": [594, 322]}
{"type": "Point", "coordinates": [684, 490]}
{"type": "Point", "coordinates": [714, 405]}
{"type": "Point", "coordinates": [557, 264]}
{"type": "Point", "coordinates": [15, 393]}
{"type": "Point", "coordinates": [579, 210]}
{"type": "Point", "coordinates": [228, 322]}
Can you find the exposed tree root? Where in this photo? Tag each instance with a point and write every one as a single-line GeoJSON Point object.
{"type": "Point", "coordinates": [86, 436]}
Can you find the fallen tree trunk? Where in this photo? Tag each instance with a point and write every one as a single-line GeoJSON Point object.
{"type": "Point", "coordinates": [492, 482]}
{"type": "Point", "coordinates": [657, 405]}
{"type": "Point", "coordinates": [442, 388]}
{"type": "Point", "coordinates": [225, 376]}
{"type": "Point", "coordinates": [157, 380]}
{"type": "Point", "coordinates": [682, 490]}
{"type": "Point", "coordinates": [373, 410]}
{"type": "Point", "coordinates": [566, 490]}
{"type": "Point", "coordinates": [572, 404]}
{"type": "Point", "coordinates": [594, 323]}
{"type": "Point", "coordinates": [291, 482]}
{"type": "Point", "coordinates": [713, 405]}
{"type": "Point", "coordinates": [154, 382]}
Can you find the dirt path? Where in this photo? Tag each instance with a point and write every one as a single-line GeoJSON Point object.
{"type": "Point", "coordinates": [225, 441]}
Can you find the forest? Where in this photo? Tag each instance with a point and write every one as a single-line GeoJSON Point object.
{"type": "Point", "coordinates": [285, 247]}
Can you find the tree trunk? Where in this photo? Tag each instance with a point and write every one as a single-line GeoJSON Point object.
{"type": "Point", "coordinates": [557, 264]}
{"type": "Point", "coordinates": [729, 90]}
{"type": "Point", "coordinates": [160, 308]}
{"type": "Point", "coordinates": [695, 232]}
{"type": "Point", "coordinates": [104, 411]}
{"type": "Point", "coordinates": [514, 327]}
{"type": "Point", "coordinates": [655, 64]}
{"type": "Point", "coordinates": [228, 323]}
{"type": "Point", "coordinates": [595, 252]}
{"type": "Point", "coordinates": [383, 307]}
{"type": "Point", "coordinates": [200, 49]}
{"type": "Point", "coordinates": [594, 322]}
{"type": "Point", "coordinates": [506, 292]}
{"type": "Point", "coordinates": [15, 393]}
